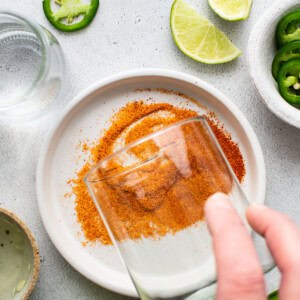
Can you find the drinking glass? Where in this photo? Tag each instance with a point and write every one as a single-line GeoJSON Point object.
{"type": "Point", "coordinates": [32, 69]}
{"type": "Point", "coordinates": [151, 197]}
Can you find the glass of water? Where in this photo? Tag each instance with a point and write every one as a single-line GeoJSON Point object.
{"type": "Point", "coordinates": [32, 69]}
{"type": "Point", "coordinates": [151, 197]}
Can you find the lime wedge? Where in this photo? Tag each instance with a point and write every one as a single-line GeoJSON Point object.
{"type": "Point", "coordinates": [231, 10]}
{"type": "Point", "coordinates": [198, 38]}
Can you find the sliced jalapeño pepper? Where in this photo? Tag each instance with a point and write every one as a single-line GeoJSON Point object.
{"type": "Point", "coordinates": [287, 52]}
{"type": "Point", "coordinates": [288, 29]}
{"type": "Point", "coordinates": [64, 18]}
{"type": "Point", "coordinates": [289, 81]}
{"type": "Point", "coordinates": [273, 296]}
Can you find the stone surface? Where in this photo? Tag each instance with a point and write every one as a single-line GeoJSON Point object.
{"type": "Point", "coordinates": [126, 35]}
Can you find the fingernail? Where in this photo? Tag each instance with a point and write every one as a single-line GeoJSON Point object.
{"type": "Point", "coordinates": [218, 200]}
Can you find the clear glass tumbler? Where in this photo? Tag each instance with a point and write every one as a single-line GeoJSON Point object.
{"type": "Point", "coordinates": [32, 68]}
{"type": "Point", "coordinates": [151, 196]}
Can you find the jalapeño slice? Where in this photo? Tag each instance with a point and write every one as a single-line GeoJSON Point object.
{"type": "Point", "coordinates": [287, 52]}
{"type": "Point", "coordinates": [289, 81]}
{"type": "Point", "coordinates": [64, 18]}
{"type": "Point", "coordinates": [288, 29]}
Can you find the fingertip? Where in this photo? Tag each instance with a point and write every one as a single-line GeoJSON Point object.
{"type": "Point", "coordinates": [217, 208]}
{"type": "Point", "coordinates": [254, 206]}
{"type": "Point", "coordinates": [216, 201]}
{"type": "Point", "coordinates": [261, 218]}
{"type": "Point", "coordinates": [255, 211]}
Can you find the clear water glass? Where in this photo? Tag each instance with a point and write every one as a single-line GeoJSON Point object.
{"type": "Point", "coordinates": [132, 186]}
{"type": "Point", "coordinates": [32, 69]}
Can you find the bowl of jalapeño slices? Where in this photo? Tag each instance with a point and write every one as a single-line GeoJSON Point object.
{"type": "Point", "coordinates": [274, 59]}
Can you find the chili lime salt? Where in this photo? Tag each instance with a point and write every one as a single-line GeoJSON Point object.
{"type": "Point", "coordinates": [131, 122]}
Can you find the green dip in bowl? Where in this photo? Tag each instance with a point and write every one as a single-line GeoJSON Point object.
{"type": "Point", "coordinates": [19, 258]}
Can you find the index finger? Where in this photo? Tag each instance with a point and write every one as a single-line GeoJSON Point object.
{"type": "Point", "coordinates": [239, 273]}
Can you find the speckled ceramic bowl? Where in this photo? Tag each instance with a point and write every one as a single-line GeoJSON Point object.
{"type": "Point", "coordinates": [19, 258]}
{"type": "Point", "coordinates": [261, 52]}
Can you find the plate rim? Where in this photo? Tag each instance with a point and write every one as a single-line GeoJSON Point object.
{"type": "Point", "coordinates": [100, 84]}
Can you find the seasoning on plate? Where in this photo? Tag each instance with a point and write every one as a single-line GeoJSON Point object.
{"type": "Point", "coordinates": [130, 123]}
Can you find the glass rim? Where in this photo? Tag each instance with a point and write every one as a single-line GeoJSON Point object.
{"type": "Point", "coordinates": [44, 64]}
{"type": "Point", "coordinates": [135, 143]}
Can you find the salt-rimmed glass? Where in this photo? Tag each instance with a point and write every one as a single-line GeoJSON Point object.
{"type": "Point", "coordinates": [131, 186]}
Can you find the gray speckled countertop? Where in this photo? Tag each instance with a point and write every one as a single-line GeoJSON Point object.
{"type": "Point", "coordinates": [126, 35]}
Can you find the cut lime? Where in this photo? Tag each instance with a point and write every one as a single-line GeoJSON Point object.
{"type": "Point", "coordinates": [198, 38]}
{"type": "Point", "coordinates": [231, 10]}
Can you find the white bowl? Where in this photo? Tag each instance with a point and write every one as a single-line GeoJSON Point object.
{"type": "Point", "coordinates": [261, 52]}
{"type": "Point", "coordinates": [81, 120]}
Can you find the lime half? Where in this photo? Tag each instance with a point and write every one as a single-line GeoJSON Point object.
{"type": "Point", "coordinates": [231, 10]}
{"type": "Point", "coordinates": [198, 38]}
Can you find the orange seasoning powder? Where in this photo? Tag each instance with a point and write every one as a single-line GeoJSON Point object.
{"type": "Point", "coordinates": [130, 123]}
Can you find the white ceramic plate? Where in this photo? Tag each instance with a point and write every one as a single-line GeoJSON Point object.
{"type": "Point", "coordinates": [261, 52]}
{"type": "Point", "coordinates": [88, 113]}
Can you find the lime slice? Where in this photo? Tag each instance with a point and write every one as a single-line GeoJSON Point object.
{"type": "Point", "coordinates": [198, 38]}
{"type": "Point", "coordinates": [232, 10]}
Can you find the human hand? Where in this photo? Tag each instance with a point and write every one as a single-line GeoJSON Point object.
{"type": "Point", "coordinates": [240, 275]}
